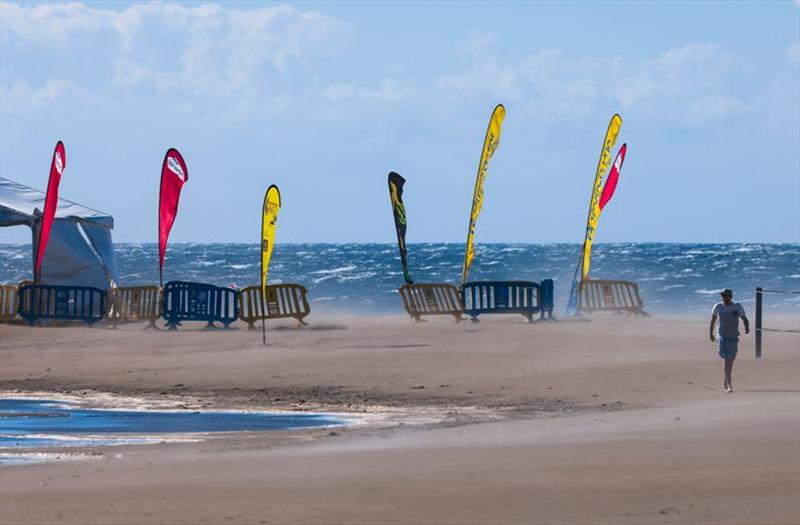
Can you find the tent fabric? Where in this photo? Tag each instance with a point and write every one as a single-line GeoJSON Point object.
{"type": "Point", "coordinates": [18, 205]}
{"type": "Point", "coordinates": [103, 247]}
{"type": "Point", "coordinates": [80, 251]}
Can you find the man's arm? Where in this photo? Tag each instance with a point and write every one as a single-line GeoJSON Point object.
{"type": "Point", "coordinates": [745, 320]}
{"type": "Point", "coordinates": [711, 328]}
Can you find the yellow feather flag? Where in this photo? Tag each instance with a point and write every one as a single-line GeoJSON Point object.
{"type": "Point", "coordinates": [490, 144]}
{"type": "Point", "coordinates": [594, 203]}
{"type": "Point", "coordinates": [272, 205]}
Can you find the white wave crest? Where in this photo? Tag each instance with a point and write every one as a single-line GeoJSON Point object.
{"type": "Point", "coordinates": [341, 269]}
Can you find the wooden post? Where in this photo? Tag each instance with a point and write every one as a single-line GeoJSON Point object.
{"type": "Point", "coordinates": [759, 294]}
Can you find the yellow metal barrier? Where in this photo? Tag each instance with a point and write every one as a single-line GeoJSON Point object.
{"type": "Point", "coordinates": [134, 303]}
{"type": "Point", "coordinates": [8, 302]}
{"type": "Point", "coordinates": [431, 299]}
{"type": "Point", "coordinates": [282, 301]}
{"type": "Point", "coordinates": [610, 296]}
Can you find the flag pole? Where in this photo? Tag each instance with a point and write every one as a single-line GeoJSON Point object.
{"type": "Point", "coordinates": [263, 280]}
{"type": "Point", "coordinates": [263, 322]}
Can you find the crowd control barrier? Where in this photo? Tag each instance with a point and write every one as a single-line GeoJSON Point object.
{"type": "Point", "coordinates": [134, 303]}
{"type": "Point", "coordinates": [70, 303]}
{"type": "Point", "coordinates": [609, 296]}
{"type": "Point", "coordinates": [527, 298]}
{"type": "Point", "coordinates": [282, 301]}
{"type": "Point", "coordinates": [431, 299]}
{"type": "Point", "coordinates": [185, 301]}
{"type": "Point", "coordinates": [8, 302]}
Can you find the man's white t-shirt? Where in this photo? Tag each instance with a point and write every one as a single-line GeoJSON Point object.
{"type": "Point", "coordinates": [728, 319]}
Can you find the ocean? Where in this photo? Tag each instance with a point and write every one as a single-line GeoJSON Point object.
{"type": "Point", "coordinates": [674, 279]}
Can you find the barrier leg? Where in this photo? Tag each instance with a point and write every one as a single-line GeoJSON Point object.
{"type": "Point", "coordinates": [759, 299]}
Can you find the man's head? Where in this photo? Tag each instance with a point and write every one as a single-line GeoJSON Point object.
{"type": "Point", "coordinates": [727, 295]}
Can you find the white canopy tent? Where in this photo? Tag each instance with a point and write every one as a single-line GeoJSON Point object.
{"type": "Point", "coordinates": [80, 251]}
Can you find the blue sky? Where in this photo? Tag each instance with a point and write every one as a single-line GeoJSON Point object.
{"type": "Point", "coordinates": [324, 99]}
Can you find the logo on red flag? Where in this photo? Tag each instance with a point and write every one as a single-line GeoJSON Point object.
{"type": "Point", "coordinates": [59, 163]}
{"type": "Point", "coordinates": [175, 167]}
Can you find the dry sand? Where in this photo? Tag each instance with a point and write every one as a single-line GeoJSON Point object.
{"type": "Point", "coordinates": [615, 421]}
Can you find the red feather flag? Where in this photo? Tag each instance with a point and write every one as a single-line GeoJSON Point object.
{"type": "Point", "coordinates": [173, 176]}
{"type": "Point", "coordinates": [613, 177]}
{"type": "Point", "coordinates": [57, 166]}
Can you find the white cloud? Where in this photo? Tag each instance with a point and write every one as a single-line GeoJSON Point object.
{"type": "Point", "coordinates": [272, 60]}
{"type": "Point", "coordinates": [678, 76]}
{"type": "Point", "coordinates": [223, 51]}
{"type": "Point", "coordinates": [689, 83]}
{"type": "Point", "coordinates": [712, 107]}
{"type": "Point", "coordinates": [478, 45]}
{"type": "Point", "coordinates": [188, 52]}
{"type": "Point", "coordinates": [50, 23]}
{"type": "Point", "coordinates": [391, 90]}
{"type": "Point", "coordinates": [793, 53]}
{"type": "Point", "coordinates": [21, 97]}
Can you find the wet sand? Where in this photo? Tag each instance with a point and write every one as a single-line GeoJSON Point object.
{"type": "Point", "coordinates": [615, 421]}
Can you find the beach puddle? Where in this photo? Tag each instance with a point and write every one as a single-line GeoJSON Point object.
{"type": "Point", "coordinates": [27, 424]}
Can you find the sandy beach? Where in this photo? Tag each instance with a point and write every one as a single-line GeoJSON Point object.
{"type": "Point", "coordinates": [619, 420]}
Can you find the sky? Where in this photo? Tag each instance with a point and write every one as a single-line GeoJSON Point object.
{"type": "Point", "coordinates": [324, 99]}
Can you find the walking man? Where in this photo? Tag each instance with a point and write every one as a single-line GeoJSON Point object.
{"type": "Point", "coordinates": [728, 314]}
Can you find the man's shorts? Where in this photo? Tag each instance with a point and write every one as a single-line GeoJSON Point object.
{"type": "Point", "coordinates": [728, 346]}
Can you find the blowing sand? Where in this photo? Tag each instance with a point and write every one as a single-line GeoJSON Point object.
{"type": "Point", "coordinates": [615, 421]}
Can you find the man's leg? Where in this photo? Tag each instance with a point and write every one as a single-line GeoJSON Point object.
{"type": "Point", "coordinates": [728, 372]}
{"type": "Point", "coordinates": [725, 374]}
{"type": "Point", "coordinates": [721, 349]}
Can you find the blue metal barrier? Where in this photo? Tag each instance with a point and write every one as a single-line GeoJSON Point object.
{"type": "Point", "coordinates": [69, 303]}
{"type": "Point", "coordinates": [508, 297]}
{"type": "Point", "coordinates": [185, 301]}
{"type": "Point", "coordinates": [547, 298]}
